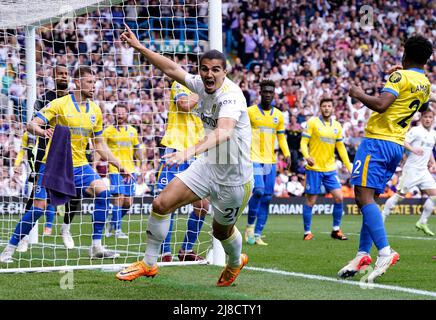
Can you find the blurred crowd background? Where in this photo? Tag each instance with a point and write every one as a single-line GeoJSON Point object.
{"type": "Point", "coordinates": [309, 48]}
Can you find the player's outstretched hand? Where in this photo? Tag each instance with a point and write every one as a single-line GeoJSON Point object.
{"type": "Point", "coordinates": [48, 133]}
{"type": "Point", "coordinates": [176, 158]}
{"type": "Point", "coordinates": [310, 161]}
{"type": "Point", "coordinates": [129, 37]}
{"type": "Point", "coordinates": [355, 91]}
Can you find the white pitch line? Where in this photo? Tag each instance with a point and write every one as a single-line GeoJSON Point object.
{"type": "Point", "coordinates": [358, 234]}
{"type": "Point", "coordinates": [394, 236]}
{"type": "Point", "coordinates": [354, 283]}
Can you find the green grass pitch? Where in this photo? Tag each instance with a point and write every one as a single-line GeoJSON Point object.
{"type": "Point", "coordinates": [287, 269]}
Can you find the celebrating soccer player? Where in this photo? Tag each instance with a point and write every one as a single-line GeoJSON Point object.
{"type": "Point", "coordinates": [406, 92]}
{"type": "Point", "coordinates": [267, 124]}
{"type": "Point", "coordinates": [224, 173]}
{"type": "Point", "coordinates": [84, 119]}
{"type": "Point", "coordinates": [183, 131]}
{"type": "Point", "coordinates": [323, 135]}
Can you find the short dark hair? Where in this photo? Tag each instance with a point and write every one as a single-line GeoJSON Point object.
{"type": "Point", "coordinates": [418, 49]}
{"type": "Point", "coordinates": [120, 105]}
{"type": "Point", "coordinates": [326, 99]}
{"type": "Point", "coordinates": [214, 54]}
{"type": "Point", "coordinates": [423, 113]}
{"type": "Point", "coordinates": [267, 83]}
{"type": "Point", "coordinates": [82, 71]}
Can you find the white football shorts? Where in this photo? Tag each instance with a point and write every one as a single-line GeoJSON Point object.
{"type": "Point", "coordinates": [228, 202]}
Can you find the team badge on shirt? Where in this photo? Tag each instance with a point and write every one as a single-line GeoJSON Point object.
{"type": "Point", "coordinates": [395, 77]}
{"type": "Point", "coordinates": [92, 118]}
{"type": "Point", "coordinates": [276, 120]}
{"type": "Point", "coordinates": [335, 131]}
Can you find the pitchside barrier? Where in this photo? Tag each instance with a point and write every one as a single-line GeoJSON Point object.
{"type": "Point", "coordinates": [279, 206]}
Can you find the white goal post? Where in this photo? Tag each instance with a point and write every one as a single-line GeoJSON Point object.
{"type": "Point", "coordinates": [30, 59]}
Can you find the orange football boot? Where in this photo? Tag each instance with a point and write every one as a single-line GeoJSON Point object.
{"type": "Point", "coordinates": [228, 276]}
{"type": "Point", "coordinates": [136, 270]}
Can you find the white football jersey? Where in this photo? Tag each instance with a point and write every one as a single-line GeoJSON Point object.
{"type": "Point", "coordinates": [229, 163]}
{"type": "Point", "coordinates": [419, 137]}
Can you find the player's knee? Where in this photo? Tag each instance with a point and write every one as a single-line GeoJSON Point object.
{"type": "Point", "coordinates": [41, 204]}
{"type": "Point", "coordinates": [339, 199]}
{"type": "Point", "coordinates": [201, 208]}
{"type": "Point", "coordinates": [258, 192]}
{"type": "Point", "coordinates": [310, 201]}
{"type": "Point", "coordinates": [127, 202]}
{"type": "Point", "coordinates": [159, 206]}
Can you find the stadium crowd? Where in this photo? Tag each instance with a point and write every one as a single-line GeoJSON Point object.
{"type": "Point", "coordinates": [309, 48]}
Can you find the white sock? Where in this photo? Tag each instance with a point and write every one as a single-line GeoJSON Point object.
{"type": "Point", "coordinates": [65, 227]}
{"type": "Point", "coordinates": [96, 243]}
{"type": "Point", "coordinates": [307, 232]}
{"type": "Point", "coordinates": [336, 228]}
{"type": "Point", "coordinates": [427, 210]}
{"type": "Point", "coordinates": [385, 251]}
{"type": "Point", "coordinates": [157, 229]}
{"type": "Point", "coordinates": [390, 204]}
{"type": "Point", "coordinates": [233, 248]}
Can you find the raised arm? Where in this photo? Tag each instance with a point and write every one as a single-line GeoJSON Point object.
{"type": "Point", "coordinates": [167, 66]}
{"type": "Point", "coordinates": [378, 104]}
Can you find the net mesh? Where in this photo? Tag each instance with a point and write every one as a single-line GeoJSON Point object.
{"type": "Point", "coordinates": [86, 33]}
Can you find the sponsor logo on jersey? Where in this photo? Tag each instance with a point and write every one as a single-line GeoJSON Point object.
{"type": "Point", "coordinates": [395, 77]}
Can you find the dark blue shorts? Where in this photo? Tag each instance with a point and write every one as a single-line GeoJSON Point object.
{"type": "Point", "coordinates": [83, 177]}
{"type": "Point", "coordinates": [316, 180]}
{"type": "Point", "coordinates": [120, 186]}
{"type": "Point", "coordinates": [375, 163]}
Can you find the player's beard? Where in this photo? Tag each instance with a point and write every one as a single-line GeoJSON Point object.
{"type": "Point", "coordinates": [61, 86]}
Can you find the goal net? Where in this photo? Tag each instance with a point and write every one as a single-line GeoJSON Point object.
{"type": "Point", "coordinates": [34, 40]}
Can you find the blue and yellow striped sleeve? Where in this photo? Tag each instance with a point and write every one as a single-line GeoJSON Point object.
{"type": "Point", "coordinates": [49, 111]}
{"type": "Point", "coordinates": [394, 83]}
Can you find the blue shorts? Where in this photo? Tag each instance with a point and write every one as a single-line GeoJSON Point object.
{"type": "Point", "coordinates": [166, 172]}
{"type": "Point", "coordinates": [321, 182]}
{"type": "Point", "coordinates": [83, 177]}
{"type": "Point", "coordinates": [375, 163]}
{"type": "Point", "coordinates": [264, 176]}
{"type": "Point", "coordinates": [120, 186]}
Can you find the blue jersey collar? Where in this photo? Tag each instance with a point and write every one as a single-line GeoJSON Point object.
{"type": "Point", "coordinates": [263, 113]}
{"type": "Point", "coordinates": [322, 120]}
{"type": "Point", "coordinates": [77, 106]}
{"type": "Point", "coordinates": [417, 70]}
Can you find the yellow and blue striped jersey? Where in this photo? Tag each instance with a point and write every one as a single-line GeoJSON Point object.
{"type": "Point", "coordinates": [412, 90]}
{"type": "Point", "coordinates": [184, 129]}
{"type": "Point", "coordinates": [323, 138]}
{"type": "Point", "coordinates": [122, 141]}
{"type": "Point", "coordinates": [266, 126]}
{"type": "Point", "coordinates": [84, 121]}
